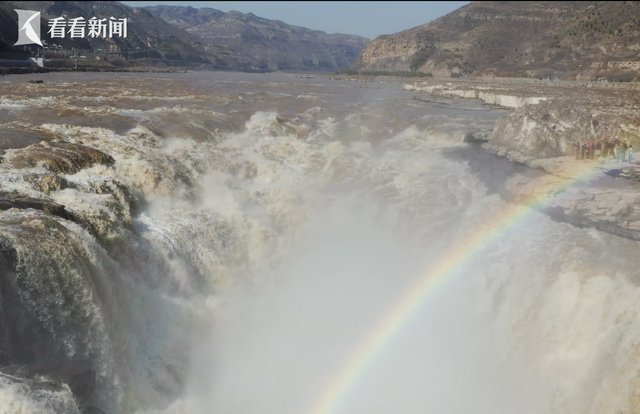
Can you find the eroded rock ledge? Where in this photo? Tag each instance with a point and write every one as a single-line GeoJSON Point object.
{"type": "Point", "coordinates": [57, 156]}
{"type": "Point", "coordinates": [537, 135]}
{"type": "Point", "coordinates": [605, 196]}
{"type": "Point", "coordinates": [32, 178]}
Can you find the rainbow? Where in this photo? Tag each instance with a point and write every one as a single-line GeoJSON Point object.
{"type": "Point", "coordinates": [450, 264]}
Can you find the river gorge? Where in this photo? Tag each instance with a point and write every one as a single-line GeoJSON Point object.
{"type": "Point", "coordinates": [239, 243]}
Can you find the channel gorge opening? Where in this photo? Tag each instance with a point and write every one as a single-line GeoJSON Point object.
{"type": "Point", "coordinates": [235, 243]}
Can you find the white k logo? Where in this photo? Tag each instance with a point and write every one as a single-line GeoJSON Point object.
{"type": "Point", "coordinates": [28, 27]}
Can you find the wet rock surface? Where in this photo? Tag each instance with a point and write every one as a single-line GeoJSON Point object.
{"type": "Point", "coordinates": [57, 156]}
{"type": "Point", "coordinates": [547, 118]}
{"type": "Point", "coordinates": [27, 361]}
{"type": "Point", "coordinates": [477, 137]}
{"type": "Point", "coordinates": [9, 201]}
{"type": "Point", "coordinates": [599, 200]}
{"type": "Point", "coordinates": [529, 155]}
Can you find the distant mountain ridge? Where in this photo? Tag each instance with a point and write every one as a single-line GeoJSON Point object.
{"type": "Point", "coordinates": [567, 39]}
{"type": "Point", "coordinates": [205, 38]}
{"type": "Point", "coordinates": [149, 40]}
{"type": "Point", "coordinates": [247, 41]}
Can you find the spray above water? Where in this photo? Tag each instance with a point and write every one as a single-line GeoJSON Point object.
{"type": "Point", "coordinates": [449, 266]}
{"type": "Point", "coordinates": [241, 260]}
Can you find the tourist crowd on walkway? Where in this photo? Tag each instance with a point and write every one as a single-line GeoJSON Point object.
{"type": "Point", "coordinates": [616, 148]}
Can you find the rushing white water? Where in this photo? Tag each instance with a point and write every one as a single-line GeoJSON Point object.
{"type": "Point", "coordinates": [247, 238]}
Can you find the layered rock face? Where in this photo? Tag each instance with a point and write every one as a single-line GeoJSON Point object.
{"type": "Point", "coordinates": [32, 359]}
{"type": "Point", "coordinates": [539, 132]}
{"type": "Point", "coordinates": [584, 40]}
{"type": "Point", "coordinates": [549, 117]}
{"type": "Point", "coordinates": [246, 41]}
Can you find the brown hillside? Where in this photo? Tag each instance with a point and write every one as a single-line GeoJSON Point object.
{"type": "Point", "coordinates": [565, 39]}
{"type": "Point", "coordinates": [251, 42]}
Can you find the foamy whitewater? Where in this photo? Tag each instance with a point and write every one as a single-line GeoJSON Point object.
{"type": "Point", "coordinates": [254, 229]}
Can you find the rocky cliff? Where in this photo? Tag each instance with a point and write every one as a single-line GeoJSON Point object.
{"type": "Point", "coordinates": [246, 41]}
{"type": "Point", "coordinates": [548, 117]}
{"type": "Point", "coordinates": [544, 121]}
{"type": "Point", "coordinates": [566, 39]}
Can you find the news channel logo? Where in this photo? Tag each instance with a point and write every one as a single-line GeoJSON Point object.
{"type": "Point", "coordinates": [29, 28]}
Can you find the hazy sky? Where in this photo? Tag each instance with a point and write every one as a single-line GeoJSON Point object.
{"type": "Point", "coordinates": [365, 18]}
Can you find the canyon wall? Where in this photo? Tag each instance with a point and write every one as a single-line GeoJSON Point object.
{"type": "Point", "coordinates": [544, 122]}
{"type": "Point", "coordinates": [567, 40]}
{"type": "Point", "coordinates": [249, 42]}
{"type": "Point", "coordinates": [547, 118]}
